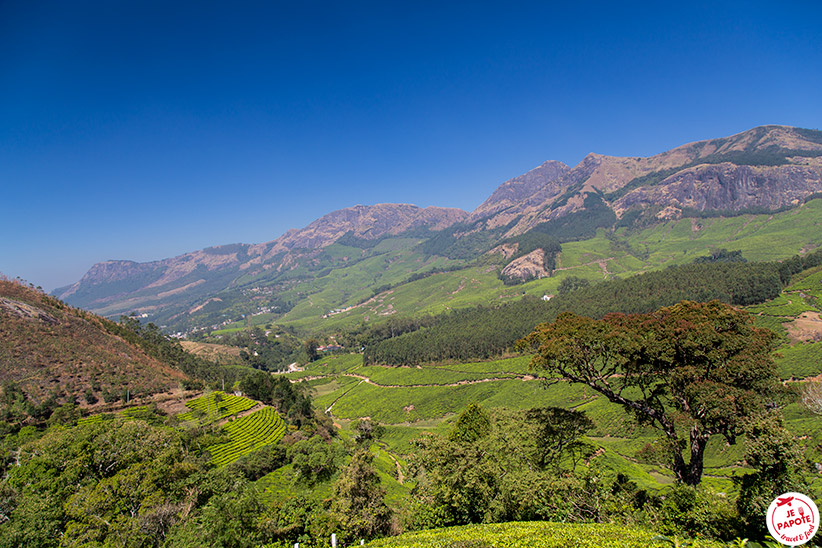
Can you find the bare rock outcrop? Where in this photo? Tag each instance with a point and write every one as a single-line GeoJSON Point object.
{"type": "Point", "coordinates": [527, 267]}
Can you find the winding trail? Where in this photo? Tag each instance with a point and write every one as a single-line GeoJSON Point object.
{"type": "Point", "coordinates": [384, 446]}
{"type": "Point", "coordinates": [367, 380]}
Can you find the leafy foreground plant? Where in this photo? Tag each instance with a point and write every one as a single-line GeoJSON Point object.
{"type": "Point", "coordinates": [535, 534]}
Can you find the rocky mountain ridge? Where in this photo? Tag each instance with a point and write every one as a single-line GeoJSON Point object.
{"type": "Point", "coordinates": [769, 167]}
{"type": "Point", "coordinates": [365, 222]}
{"type": "Point", "coordinates": [764, 169]}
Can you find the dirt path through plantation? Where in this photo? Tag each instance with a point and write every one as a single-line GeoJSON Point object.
{"type": "Point", "coordinates": [241, 414]}
{"type": "Point", "coordinates": [429, 385]}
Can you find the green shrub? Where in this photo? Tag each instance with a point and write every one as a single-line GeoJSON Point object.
{"type": "Point", "coordinates": [698, 512]}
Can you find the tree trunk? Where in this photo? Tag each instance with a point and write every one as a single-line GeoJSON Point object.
{"type": "Point", "coordinates": [691, 473]}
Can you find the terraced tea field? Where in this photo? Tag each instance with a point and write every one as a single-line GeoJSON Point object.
{"type": "Point", "coordinates": [142, 412]}
{"type": "Point", "coordinates": [208, 407]}
{"type": "Point", "coordinates": [263, 427]}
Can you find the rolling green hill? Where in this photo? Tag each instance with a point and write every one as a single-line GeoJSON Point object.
{"type": "Point", "coordinates": [326, 307]}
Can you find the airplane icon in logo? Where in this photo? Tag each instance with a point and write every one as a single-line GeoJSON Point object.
{"type": "Point", "coordinates": [783, 501]}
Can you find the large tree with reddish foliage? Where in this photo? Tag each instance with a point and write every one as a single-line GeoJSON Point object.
{"type": "Point", "coordinates": [692, 370]}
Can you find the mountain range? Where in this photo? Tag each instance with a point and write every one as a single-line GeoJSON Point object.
{"type": "Point", "coordinates": [362, 250]}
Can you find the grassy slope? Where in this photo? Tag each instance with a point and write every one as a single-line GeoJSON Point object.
{"type": "Point", "coordinates": [49, 347]}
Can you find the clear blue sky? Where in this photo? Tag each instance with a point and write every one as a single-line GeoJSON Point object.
{"type": "Point", "coordinates": [142, 130]}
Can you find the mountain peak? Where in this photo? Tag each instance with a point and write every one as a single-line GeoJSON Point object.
{"type": "Point", "coordinates": [369, 222]}
{"type": "Point", "coordinates": [532, 186]}
{"type": "Point", "coordinates": [758, 139]}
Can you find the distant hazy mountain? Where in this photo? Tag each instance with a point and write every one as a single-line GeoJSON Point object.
{"type": "Point", "coordinates": [117, 287]}
{"type": "Point", "coordinates": [763, 169]}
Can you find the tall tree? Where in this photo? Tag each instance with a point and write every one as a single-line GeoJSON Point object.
{"type": "Point", "coordinates": [359, 500]}
{"type": "Point", "coordinates": [472, 424]}
{"type": "Point", "coordinates": [692, 370]}
{"type": "Point", "coordinates": [311, 346]}
{"type": "Point", "coordinates": [556, 430]}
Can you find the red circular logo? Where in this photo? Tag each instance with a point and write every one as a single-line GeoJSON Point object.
{"type": "Point", "coordinates": [793, 519]}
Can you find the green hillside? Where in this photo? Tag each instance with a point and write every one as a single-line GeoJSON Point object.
{"type": "Point", "coordinates": [386, 448]}
{"type": "Point", "coordinates": [344, 295]}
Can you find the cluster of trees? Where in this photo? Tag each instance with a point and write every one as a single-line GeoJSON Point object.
{"type": "Point", "coordinates": [290, 400]}
{"type": "Point", "coordinates": [579, 225]}
{"type": "Point", "coordinates": [269, 353]}
{"type": "Point", "coordinates": [517, 465]}
{"type": "Point", "coordinates": [149, 482]}
{"type": "Point", "coordinates": [17, 410]}
{"type": "Point", "coordinates": [366, 334]}
{"type": "Point", "coordinates": [128, 483]}
{"type": "Point", "coordinates": [507, 465]}
{"type": "Point", "coordinates": [485, 332]}
{"type": "Point", "coordinates": [462, 242]}
{"type": "Point", "coordinates": [475, 333]}
{"type": "Point", "coordinates": [722, 256]}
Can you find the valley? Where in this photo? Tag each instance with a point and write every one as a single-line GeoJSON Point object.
{"type": "Point", "coordinates": [393, 368]}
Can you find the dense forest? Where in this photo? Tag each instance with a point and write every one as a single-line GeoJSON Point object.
{"type": "Point", "coordinates": [485, 332]}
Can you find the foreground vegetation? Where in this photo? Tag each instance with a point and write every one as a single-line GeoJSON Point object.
{"type": "Point", "coordinates": [424, 448]}
{"type": "Point", "coordinates": [535, 534]}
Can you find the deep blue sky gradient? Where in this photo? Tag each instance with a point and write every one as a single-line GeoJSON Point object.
{"type": "Point", "coordinates": [142, 130]}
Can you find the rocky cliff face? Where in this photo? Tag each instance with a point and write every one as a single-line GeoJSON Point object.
{"type": "Point", "coordinates": [768, 167]}
{"type": "Point", "coordinates": [527, 267]}
{"type": "Point", "coordinates": [729, 187]}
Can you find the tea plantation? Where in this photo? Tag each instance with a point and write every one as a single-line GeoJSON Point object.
{"type": "Point", "coordinates": [537, 534]}
{"type": "Point", "coordinates": [263, 427]}
{"type": "Point", "coordinates": [228, 405]}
